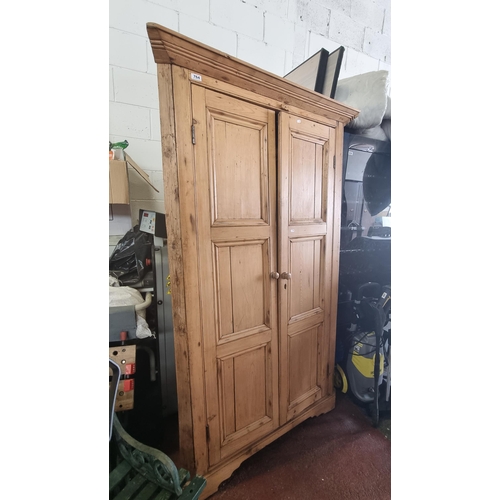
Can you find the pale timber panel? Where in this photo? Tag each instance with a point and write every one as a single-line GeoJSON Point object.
{"type": "Point", "coordinates": [335, 188]}
{"type": "Point", "coordinates": [306, 268]}
{"type": "Point", "coordinates": [236, 214]}
{"type": "Point", "coordinates": [228, 395]}
{"type": "Point", "coordinates": [247, 405]}
{"type": "Point", "coordinates": [224, 284]}
{"type": "Point", "coordinates": [250, 387]}
{"type": "Point", "coordinates": [178, 180]}
{"type": "Point", "coordinates": [238, 161]}
{"type": "Point", "coordinates": [243, 302]}
{"type": "Point", "coordinates": [247, 266]}
{"type": "Point", "coordinates": [306, 175]}
{"type": "Point", "coordinates": [249, 96]}
{"type": "Point", "coordinates": [303, 349]}
{"type": "Point", "coordinates": [302, 195]}
{"type": "Point", "coordinates": [212, 399]}
{"type": "Point", "coordinates": [306, 184]}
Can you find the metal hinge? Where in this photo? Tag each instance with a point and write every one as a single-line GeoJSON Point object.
{"type": "Point", "coordinates": [207, 430]}
{"type": "Point", "coordinates": [334, 162]}
{"type": "Point", "coordinates": [193, 138]}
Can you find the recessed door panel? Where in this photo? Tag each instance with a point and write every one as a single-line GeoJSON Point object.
{"type": "Point", "coordinates": [243, 380]}
{"type": "Point", "coordinates": [243, 301]}
{"type": "Point", "coordinates": [237, 165]}
{"type": "Point", "coordinates": [306, 267]}
{"type": "Point", "coordinates": [306, 180]}
{"type": "Point", "coordinates": [303, 363]}
{"type": "Point", "coordinates": [250, 387]}
{"type": "Point", "coordinates": [238, 155]}
{"type": "Point", "coordinates": [246, 403]}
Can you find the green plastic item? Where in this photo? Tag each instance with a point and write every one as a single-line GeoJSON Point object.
{"type": "Point", "coordinates": [118, 145]}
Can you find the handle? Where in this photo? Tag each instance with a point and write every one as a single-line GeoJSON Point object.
{"type": "Point", "coordinates": [385, 297]}
{"type": "Point", "coordinates": [275, 275]}
{"type": "Point", "coordinates": [286, 276]}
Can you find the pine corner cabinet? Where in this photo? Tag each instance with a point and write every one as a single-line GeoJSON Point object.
{"type": "Point", "coordinates": [252, 167]}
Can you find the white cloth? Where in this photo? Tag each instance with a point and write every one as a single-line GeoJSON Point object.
{"type": "Point", "coordinates": [127, 296]}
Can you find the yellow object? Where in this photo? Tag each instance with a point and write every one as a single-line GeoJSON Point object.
{"type": "Point", "coordinates": [366, 366]}
{"type": "Point", "coordinates": [340, 380]}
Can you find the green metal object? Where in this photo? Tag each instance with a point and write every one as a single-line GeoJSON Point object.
{"type": "Point", "coordinates": [146, 473]}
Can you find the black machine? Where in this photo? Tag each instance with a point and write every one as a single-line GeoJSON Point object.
{"type": "Point", "coordinates": [363, 319]}
{"type": "Point", "coordinates": [364, 349]}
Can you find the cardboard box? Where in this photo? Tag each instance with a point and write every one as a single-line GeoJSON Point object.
{"type": "Point", "coordinates": [119, 190]}
{"type": "Point", "coordinates": [118, 182]}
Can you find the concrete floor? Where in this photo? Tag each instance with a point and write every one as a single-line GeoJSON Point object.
{"type": "Point", "coordinates": [384, 425]}
{"type": "Point", "coordinates": [337, 455]}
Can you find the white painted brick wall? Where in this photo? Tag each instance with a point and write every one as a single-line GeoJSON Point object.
{"type": "Point", "coordinates": [132, 16]}
{"type": "Point", "coordinates": [288, 62]}
{"type": "Point", "coordinates": [276, 35]}
{"type": "Point", "coordinates": [312, 15]}
{"type": "Point", "coordinates": [155, 125]}
{"type": "Point", "coordinates": [127, 50]}
{"type": "Point", "coordinates": [342, 6]}
{"type": "Point", "coordinates": [278, 7]}
{"type": "Point", "coordinates": [195, 8]}
{"type": "Point", "coordinates": [377, 45]}
{"type": "Point", "coordinates": [387, 23]}
{"type": "Point", "coordinates": [278, 32]}
{"type": "Point", "coordinates": [119, 223]}
{"type": "Point", "coordinates": [300, 45]}
{"type": "Point", "coordinates": [219, 38]}
{"type": "Point", "coordinates": [151, 64]}
{"type": "Point", "coordinates": [111, 86]}
{"type": "Point", "coordinates": [238, 16]}
{"type": "Point", "coordinates": [369, 13]}
{"type": "Point", "coordinates": [261, 54]}
{"type": "Point", "coordinates": [357, 63]}
{"type": "Point", "coordinates": [128, 121]}
{"type": "Point", "coordinates": [347, 31]}
{"type": "Point", "coordinates": [134, 87]}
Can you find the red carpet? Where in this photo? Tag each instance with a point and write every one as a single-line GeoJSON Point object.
{"type": "Point", "coordinates": [336, 456]}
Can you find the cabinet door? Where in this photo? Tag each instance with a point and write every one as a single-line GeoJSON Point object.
{"type": "Point", "coordinates": [305, 192]}
{"type": "Point", "coordinates": [235, 171]}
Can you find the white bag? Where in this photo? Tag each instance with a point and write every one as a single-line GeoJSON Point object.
{"type": "Point", "coordinates": [127, 296]}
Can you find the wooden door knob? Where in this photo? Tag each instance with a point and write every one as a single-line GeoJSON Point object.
{"type": "Point", "coordinates": [286, 276]}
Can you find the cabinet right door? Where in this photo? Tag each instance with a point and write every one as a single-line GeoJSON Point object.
{"type": "Point", "coordinates": [306, 173]}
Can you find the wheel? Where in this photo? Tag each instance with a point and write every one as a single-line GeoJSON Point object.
{"type": "Point", "coordinates": [340, 380]}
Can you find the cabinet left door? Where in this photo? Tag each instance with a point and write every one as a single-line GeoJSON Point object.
{"type": "Point", "coordinates": [235, 176]}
